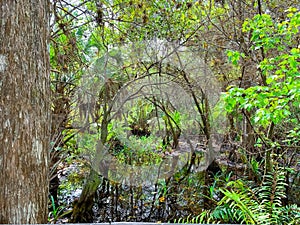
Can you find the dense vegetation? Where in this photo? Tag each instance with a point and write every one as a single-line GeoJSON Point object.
{"type": "Point", "coordinates": [180, 111]}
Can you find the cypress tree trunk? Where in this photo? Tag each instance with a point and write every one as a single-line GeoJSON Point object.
{"type": "Point", "coordinates": [24, 111]}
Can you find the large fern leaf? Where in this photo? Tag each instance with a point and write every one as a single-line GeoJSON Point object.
{"type": "Point", "coordinates": [260, 205]}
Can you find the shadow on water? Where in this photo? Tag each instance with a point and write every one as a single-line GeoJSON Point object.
{"type": "Point", "coordinates": [179, 191]}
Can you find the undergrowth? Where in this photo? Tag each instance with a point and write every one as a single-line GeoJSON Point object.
{"type": "Point", "coordinates": [245, 204]}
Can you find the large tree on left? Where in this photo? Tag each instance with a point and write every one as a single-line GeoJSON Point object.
{"type": "Point", "coordinates": [24, 111]}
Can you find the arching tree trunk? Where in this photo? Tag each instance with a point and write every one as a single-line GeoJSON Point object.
{"type": "Point", "coordinates": [24, 111]}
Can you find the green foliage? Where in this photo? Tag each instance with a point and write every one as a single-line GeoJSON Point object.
{"type": "Point", "coordinates": [139, 151]}
{"type": "Point", "coordinates": [271, 34]}
{"type": "Point", "coordinates": [259, 205]}
{"type": "Point", "coordinates": [243, 204]}
{"type": "Point", "coordinates": [274, 101]}
{"type": "Point", "coordinates": [140, 113]}
{"type": "Point", "coordinates": [234, 56]}
{"type": "Point", "coordinates": [56, 212]}
{"type": "Point", "coordinates": [203, 217]}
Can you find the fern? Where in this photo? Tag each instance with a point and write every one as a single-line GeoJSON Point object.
{"type": "Point", "coordinates": [204, 217]}
{"type": "Point", "coordinates": [260, 205]}
{"type": "Point", "coordinates": [225, 214]}
{"type": "Point", "coordinates": [290, 214]}
{"type": "Point", "coordinates": [241, 201]}
{"type": "Point", "coordinates": [270, 195]}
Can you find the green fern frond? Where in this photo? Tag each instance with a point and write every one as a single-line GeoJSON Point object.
{"type": "Point", "coordinates": [204, 217]}
{"type": "Point", "coordinates": [248, 205]}
{"type": "Point", "coordinates": [271, 193]}
{"type": "Point", "coordinates": [260, 205]}
{"type": "Point", "coordinates": [241, 202]}
{"type": "Point", "coordinates": [226, 214]}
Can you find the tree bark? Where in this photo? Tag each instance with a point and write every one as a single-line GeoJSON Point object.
{"type": "Point", "coordinates": [24, 111]}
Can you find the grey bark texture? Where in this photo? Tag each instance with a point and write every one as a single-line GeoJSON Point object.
{"type": "Point", "coordinates": [24, 111]}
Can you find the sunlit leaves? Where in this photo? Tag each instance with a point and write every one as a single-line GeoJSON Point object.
{"type": "Point", "coordinates": [271, 34]}
{"type": "Point", "coordinates": [271, 103]}
{"type": "Point", "coordinates": [234, 56]}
